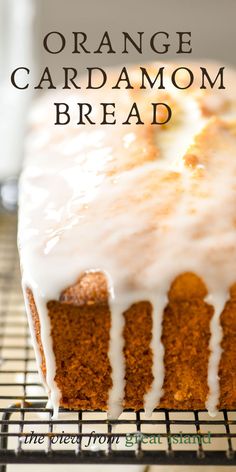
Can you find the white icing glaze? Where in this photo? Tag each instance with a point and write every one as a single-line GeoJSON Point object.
{"type": "Point", "coordinates": [116, 394]}
{"type": "Point", "coordinates": [128, 201]}
{"type": "Point", "coordinates": [33, 337]}
{"type": "Point", "coordinates": [152, 398]}
{"type": "Point", "coordinates": [45, 331]}
{"type": "Point", "coordinates": [218, 302]}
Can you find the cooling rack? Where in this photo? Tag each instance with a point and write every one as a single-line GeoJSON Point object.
{"type": "Point", "coordinates": [30, 435]}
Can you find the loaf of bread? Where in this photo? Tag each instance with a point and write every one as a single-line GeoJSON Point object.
{"type": "Point", "coordinates": [127, 239]}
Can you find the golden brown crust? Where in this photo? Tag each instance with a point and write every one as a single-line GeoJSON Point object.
{"type": "Point", "coordinates": [138, 354]}
{"type": "Point", "coordinates": [185, 336]}
{"type": "Point", "coordinates": [80, 323]}
{"type": "Point", "coordinates": [80, 342]}
{"type": "Point", "coordinates": [228, 359]}
{"type": "Point", "coordinates": [37, 328]}
{"type": "Point", "coordinates": [90, 289]}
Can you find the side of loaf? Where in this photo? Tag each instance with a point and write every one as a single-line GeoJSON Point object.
{"type": "Point", "coordinates": [81, 321]}
{"type": "Point", "coordinates": [127, 240]}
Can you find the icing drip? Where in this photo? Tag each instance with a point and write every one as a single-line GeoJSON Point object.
{"type": "Point", "coordinates": [49, 383]}
{"type": "Point", "coordinates": [140, 204]}
{"type": "Point", "coordinates": [45, 332]}
{"type": "Point", "coordinates": [218, 301]}
{"type": "Point", "coordinates": [152, 398]}
{"type": "Point", "coordinates": [116, 394]}
{"type": "Point", "coordinates": [33, 337]}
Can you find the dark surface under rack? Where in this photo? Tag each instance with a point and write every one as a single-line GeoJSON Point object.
{"type": "Point", "coordinates": [65, 440]}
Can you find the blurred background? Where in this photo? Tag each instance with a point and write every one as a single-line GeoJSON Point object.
{"type": "Point", "coordinates": [212, 23]}
{"type": "Point", "coordinates": [24, 23]}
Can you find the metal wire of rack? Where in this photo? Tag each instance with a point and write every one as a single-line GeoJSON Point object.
{"type": "Point", "coordinates": [28, 433]}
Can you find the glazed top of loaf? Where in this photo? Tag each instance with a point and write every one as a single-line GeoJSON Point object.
{"type": "Point", "coordinates": [141, 204]}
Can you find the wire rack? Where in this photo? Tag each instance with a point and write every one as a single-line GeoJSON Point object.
{"type": "Point", "coordinates": [29, 435]}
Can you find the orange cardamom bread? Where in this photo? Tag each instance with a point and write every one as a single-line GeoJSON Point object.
{"type": "Point", "coordinates": [127, 239]}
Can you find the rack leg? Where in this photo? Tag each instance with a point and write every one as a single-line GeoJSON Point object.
{"type": "Point", "coordinates": [4, 429]}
